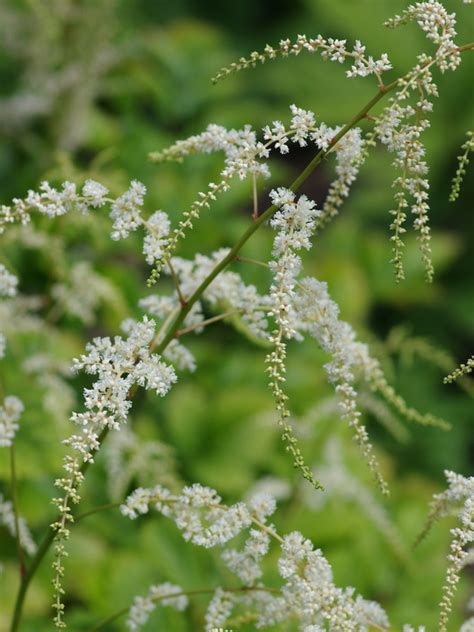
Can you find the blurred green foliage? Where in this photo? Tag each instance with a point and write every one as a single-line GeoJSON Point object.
{"type": "Point", "coordinates": [88, 88]}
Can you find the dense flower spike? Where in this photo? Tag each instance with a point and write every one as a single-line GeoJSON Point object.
{"type": "Point", "coordinates": [294, 222]}
{"type": "Point", "coordinates": [330, 49]}
{"type": "Point", "coordinates": [319, 316]}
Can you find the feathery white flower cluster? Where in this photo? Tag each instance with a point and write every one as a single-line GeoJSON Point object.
{"type": "Point", "coordinates": [319, 316]}
{"type": "Point", "coordinates": [143, 606]}
{"type": "Point", "coordinates": [294, 222]}
{"type": "Point", "coordinates": [227, 292]}
{"type": "Point", "coordinates": [460, 492]}
{"type": "Point", "coordinates": [330, 49]}
{"type": "Point", "coordinates": [302, 129]}
{"type": "Point", "coordinates": [311, 591]}
{"type": "Point", "coordinates": [10, 413]}
{"type": "Point", "coordinates": [241, 151]}
{"type": "Point", "coordinates": [119, 364]}
{"type": "Point", "coordinates": [125, 211]}
{"type": "Point", "coordinates": [197, 512]}
{"type": "Point", "coordinates": [7, 518]}
{"type": "Point", "coordinates": [308, 593]}
{"type": "Point", "coordinates": [8, 282]}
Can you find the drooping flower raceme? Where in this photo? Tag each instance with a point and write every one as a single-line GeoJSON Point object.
{"type": "Point", "coordinates": [294, 223]}
{"type": "Point", "coordinates": [331, 49]}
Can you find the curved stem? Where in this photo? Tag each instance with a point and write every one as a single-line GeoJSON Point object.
{"type": "Point", "coordinates": [185, 593]}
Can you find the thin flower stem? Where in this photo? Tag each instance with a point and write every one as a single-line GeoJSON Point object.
{"type": "Point", "coordinates": [90, 512]}
{"type": "Point", "coordinates": [176, 282]}
{"type": "Point", "coordinates": [16, 512]}
{"type": "Point", "coordinates": [208, 321]}
{"type": "Point", "coordinates": [263, 264]}
{"type": "Point", "coordinates": [184, 593]}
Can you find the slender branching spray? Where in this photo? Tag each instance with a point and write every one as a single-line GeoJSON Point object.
{"type": "Point", "coordinates": [149, 353]}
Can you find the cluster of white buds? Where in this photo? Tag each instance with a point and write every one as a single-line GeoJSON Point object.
{"type": "Point", "coordinates": [440, 28]}
{"type": "Point", "coordinates": [294, 222]}
{"type": "Point", "coordinates": [7, 519]}
{"type": "Point", "coordinates": [462, 369]}
{"type": "Point", "coordinates": [166, 594]}
{"type": "Point", "coordinates": [331, 49]}
{"type": "Point", "coordinates": [241, 151]}
{"type": "Point", "coordinates": [400, 130]}
{"type": "Point", "coordinates": [197, 512]}
{"type": "Point", "coordinates": [307, 593]}
{"type": "Point", "coordinates": [125, 211]}
{"type": "Point", "coordinates": [10, 412]}
{"type": "Point", "coordinates": [243, 155]}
